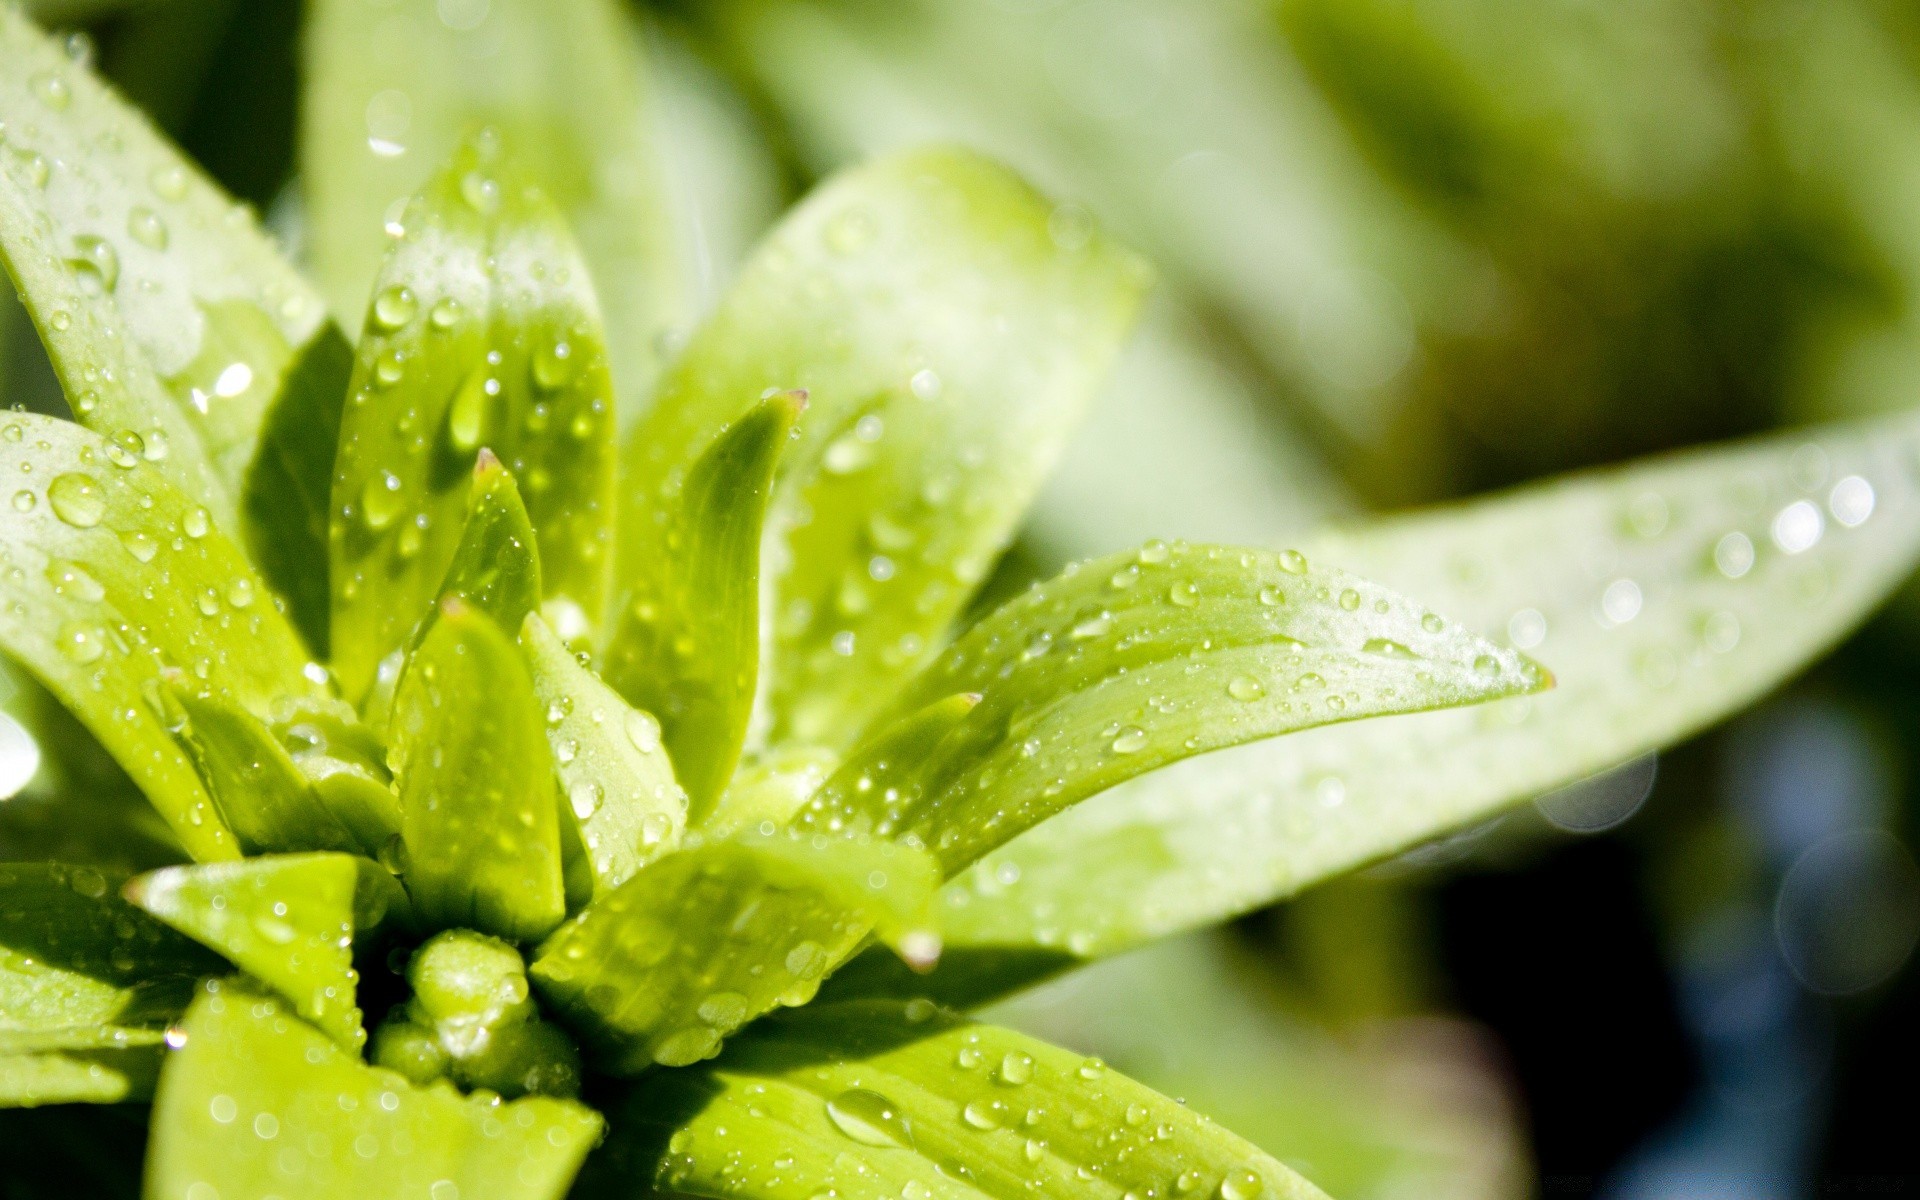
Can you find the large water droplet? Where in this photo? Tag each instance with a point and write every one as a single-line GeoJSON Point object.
{"type": "Point", "coordinates": [77, 499]}
{"type": "Point", "coordinates": [869, 1118]}
{"type": "Point", "coordinates": [393, 307]}
{"type": "Point", "coordinates": [145, 226]}
{"type": "Point", "coordinates": [95, 258]}
{"type": "Point", "coordinates": [381, 500]}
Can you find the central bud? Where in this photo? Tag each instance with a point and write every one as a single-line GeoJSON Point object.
{"type": "Point", "coordinates": [472, 1020]}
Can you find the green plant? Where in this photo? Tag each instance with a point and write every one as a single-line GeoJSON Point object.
{"type": "Point", "coordinates": [615, 744]}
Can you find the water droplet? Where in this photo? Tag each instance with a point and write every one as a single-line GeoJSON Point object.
{"type": "Point", "coordinates": [125, 449]}
{"type": "Point", "coordinates": [143, 546]}
{"type": "Point", "coordinates": [850, 230]}
{"type": "Point", "coordinates": [444, 313]}
{"type": "Point", "coordinates": [1130, 740]}
{"type": "Point", "coordinates": [989, 1114]}
{"type": "Point", "coordinates": [196, 522]}
{"type": "Point", "coordinates": [233, 380]}
{"type": "Point", "coordinates": [24, 501]}
{"type": "Point", "coordinates": [481, 191]}
{"type": "Point", "coordinates": [1185, 593]}
{"type": "Point", "coordinates": [381, 500]}
{"type": "Point", "coordinates": [52, 91]}
{"type": "Point", "coordinates": [240, 593]}
{"type": "Point", "coordinates": [1154, 553]}
{"type": "Point", "coordinates": [390, 367]}
{"type": "Point", "coordinates": [585, 796]}
{"type": "Point", "coordinates": [71, 579]}
{"type": "Point", "coordinates": [223, 1108]}
{"type": "Point", "coordinates": [643, 731]}
{"type": "Point", "coordinates": [1271, 596]}
{"type": "Point", "coordinates": [1016, 1068]}
{"type": "Point", "coordinates": [1797, 527]}
{"type": "Point", "coordinates": [81, 643]}
{"type": "Point", "coordinates": [1621, 601]}
{"type": "Point", "coordinates": [1245, 688]}
{"type": "Point", "coordinates": [1293, 562]}
{"type": "Point", "coordinates": [1733, 555]}
{"type": "Point", "coordinates": [869, 1118]}
{"type": "Point", "coordinates": [77, 499]}
{"type": "Point", "coordinates": [553, 364]}
{"type": "Point", "coordinates": [1388, 648]}
{"type": "Point", "coordinates": [1241, 1185]}
{"type": "Point", "coordinates": [1486, 666]}
{"type": "Point", "coordinates": [168, 183]}
{"type": "Point", "coordinates": [95, 258]}
{"type": "Point", "coordinates": [724, 1010]}
{"type": "Point", "coordinates": [393, 307]}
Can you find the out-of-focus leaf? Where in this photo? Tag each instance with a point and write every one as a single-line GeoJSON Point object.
{"type": "Point", "coordinates": [476, 783]}
{"type": "Point", "coordinates": [878, 1098]}
{"type": "Point", "coordinates": [1135, 661]}
{"type": "Point", "coordinates": [496, 566]}
{"type": "Point", "coordinates": [346, 766]}
{"type": "Point", "coordinates": [613, 767]}
{"type": "Point", "coordinates": [87, 538]}
{"type": "Point", "coordinates": [948, 332]}
{"type": "Point", "coordinates": [285, 495]}
{"type": "Point", "coordinates": [285, 919]}
{"type": "Point", "coordinates": [87, 986]}
{"type": "Point", "coordinates": [391, 91]}
{"type": "Point", "coordinates": [264, 797]}
{"type": "Point", "coordinates": [687, 647]}
{"type": "Point", "coordinates": [1665, 594]}
{"type": "Point", "coordinates": [703, 940]}
{"type": "Point", "coordinates": [169, 317]}
{"type": "Point", "coordinates": [259, 1103]}
{"type": "Point", "coordinates": [483, 332]}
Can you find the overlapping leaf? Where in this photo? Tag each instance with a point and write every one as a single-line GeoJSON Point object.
{"type": "Point", "coordinates": [948, 335]}
{"type": "Point", "coordinates": [259, 1103]}
{"type": "Point", "coordinates": [111, 576]}
{"type": "Point", "coordinates": [483, 332]}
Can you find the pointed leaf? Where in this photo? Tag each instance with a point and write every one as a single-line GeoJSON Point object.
{"type": "Point", "coordinates": [264, 797]}
{"type": "Point", "coordinates": [476, 783]}
{"type": "Point", "coordinates": [614, 770]}
{"type": "Point", "coordinates": [702, 941]}
{"type": "Point", "coordinates": [87, 987]}
{"type": "Point", "coordinates": [1720, 573]}
{"type": "Point", "coordinates": [688, 644]}
{"type": "Point", "coordinates": [259, 1103]}
{"type": "Point", "coordinates": [483, 331]}
{"type": "Point", "coordinates": [392, 90]}
{"type": "Point", "coordinates": [112, 575]}
{"type": "Point", "coordinates": [166, 313]}
{"type": "Point", "coordinates": [496, 567]}
{"type": "Point", "coordinates": [948, 336]}
{"type": "Point", "coordinates": [885, 1099]}
{"type": "Point", "coordinates": [346, 766]}
{"type": "Point", "coordinates": [1131, 662]}
{"type": "Point", "coordinates": [286, 919]}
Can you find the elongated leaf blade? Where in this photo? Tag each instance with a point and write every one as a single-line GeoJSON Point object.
{"type": "Point", "coordinates": [702, 941]}
{"type": "Point", "coordinates": [87, 987]}
{"type": "Point", "coordinates": [264, 797]}
{"type": "Point", "coordinates": [1664, 595]}
{"type": "Point", "coordinates": [887, 1099]}
{"type": "Point", "coordinates": [391, 91]}
{"type": "Point", "coordinates": [483, 331]}
{"type": "Point", "coordinates": [496, 566]}
{"type": "Point", "coordinates": [948, 336]}
{"type": "Point", "coordinates": [112, 576]}
{"type": "Point", "coordinates": [688, 644]}
{"type": "Point", "coordinates": [614, 771]}
{"type": "Point", "coordinates": [285, 919]}
{"type": "Point", "coordinates": [257, 1103]}
{"type": "Point", "coordinates": [1135, 661]}
{"type": "Point", "coordinates": [166, 312]}
{"type": "Point", "coordinates": [476, 783]}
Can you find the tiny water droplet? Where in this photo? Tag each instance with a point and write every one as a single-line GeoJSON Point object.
{"type": "Point", "coordinates": [467, 415]}
{"type": "Point", "coordinates": [553, 364]}
{"type": "Point", "coordinates": [1245, 688]}
{"type": "Point", "coordinates": [52, 91]}
{"type": "Point", "coordinates": [381, 500]}
{"type": "Point", "coordinates": [24, 501]}
{"type": "Point", "coordinates": [1241, 1185]}
{"type": "Point", "coordinates": [146, 227]}
{"type": "Point", "coordinates": [1186, 593]}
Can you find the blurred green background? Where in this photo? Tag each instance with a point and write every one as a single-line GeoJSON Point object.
{"type": "Point", "coordinates": [1411, 250]}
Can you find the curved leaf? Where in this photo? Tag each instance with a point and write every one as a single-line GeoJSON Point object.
{"type": "Point", "coordinates": [476, 783]}
{"type": "Point", "coordinates": [1665, 594]}
{"type": "Point", "coordinates": [872, 1099]}
{"type": "Point", "coordinates": [109, 576]}
{"type": "Point", "coordinates": [613, 768]}
{"type": "Point", "coordinates": [166, 313]}
{"type": "Point", "coordinates": [87, 987]}
{"type": "Point", "coordinates": [392, 90]}
{"type": "Point", "coordinates": [483, 332]}
{"type": "Point", "coordinates": [687, 648]}
{"type": "Point", "coordinates": [948, 335]}
{"type": "Point", "coordinates": [496, 566]}
{"type": "Point", "coordinates": [702, 941]}
{"type": "Point", "coordinates": [258, 1103]}
{"type": "Point", "coordinates": [264, 797]}
{"type": "Point", "coordinates": [1128, 663]}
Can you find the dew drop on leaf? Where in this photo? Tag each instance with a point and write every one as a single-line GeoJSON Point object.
{"type": "Point", "coordinates": [1293, 562]}
{"type": "Point", "coordinates": [77, 499]}
{"type": "Point", "coordinates": [869, 1118]}
{"type": "Point", "coordinates": [393, 307]}
{"type": "Point", "coordinates": [1130, 740]}
{"type": "Point", "coordinates": [95, 259]}
{"type": "Point", "coordinates": [147, 228]}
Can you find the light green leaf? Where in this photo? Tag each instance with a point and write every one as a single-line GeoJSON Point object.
{"type": "Point", "coordinates": [1664, 595]}
{"type": "Point", "coordinates": [483, 332]}
{"type": "Point", "coordinates": [111, 576]}
{"type": "Point", "coordinates": [476, 783]}
{"type": "Point", "coordinates": [259, 1103]}
{"type": "Point", "coordinates": [285, 495]}
{"type": "Point", "coordinates": [496, 567]}
{"type": "Point", "coordinates": [948, 334]}
{"type": "Point", "coordinates": [345, 765]}
{"type": "Point", "coordinates": [87, 987]}
{"type": "Point", "coordinates": [687, 648]}
{"type": "Point", "coordinates": [883, 1099]}
{"type": "Point", "coordinates": [1131, 662]}
{"type": "Point", "coordinates": [288, 920]}
{"type": "Point", "coordinates": [264, 797]}
{"type": "Point", "coordinates": [703, 940]}
{"type": "Point", "coordinates": [168, 316]}
{"type": "Point", "coordinates": [391, 91]}
{"type": "Point", "coordinates": [613, 767]}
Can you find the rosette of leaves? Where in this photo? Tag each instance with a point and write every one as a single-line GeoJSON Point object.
{"type": "Point", "coordinates": [525, 778]}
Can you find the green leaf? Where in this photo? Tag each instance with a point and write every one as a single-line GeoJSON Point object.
{"type": "Point", "coordinates": [884, 1099]}
{"type": "Point", "coordinates": [702, 941]}
{"type": "Point", "coordinates": [614, 771]}
{"type": "Point", "coordinates": [87, 986]}
{"type": "Point", "coordinates": [483, 331]}
{"type": "Point", "coordinates": [285, 495]}
{"type": "Point", "coordinates": [288, 920]}
{"type": "Point", "coordinates": [110, 576]}
{"type": "Point", "coordinates": [1131, 662]}
{"type": "Point", "coordinates": [168, 316]}
{"type": "Point", "coordinates": [391, 91]}
{"type": "Point", "coordinates": [688, 644]}
{"type": "Point", "coordinates": [1665, 595]}
{"type": "Point", "coordinates": [948, 335]}
{"type": "Point", "coordinates": [264, 797]}
{"type": "Point", "coordinates": [259, 1103]}
{"type": "Point", "coordinates": [496, 567]}
{"type": "Point", "coordinates": [346, 766]}
{"type": "Point", "coordinates": [476, 783]}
